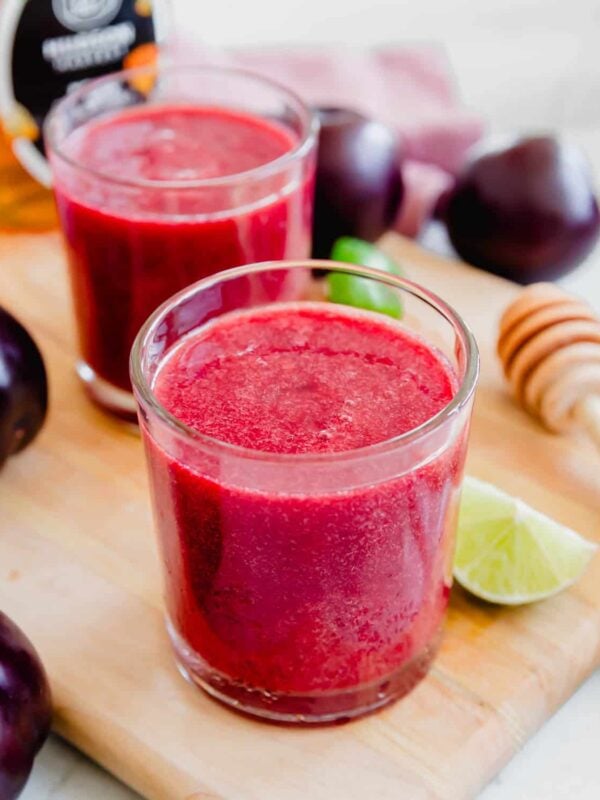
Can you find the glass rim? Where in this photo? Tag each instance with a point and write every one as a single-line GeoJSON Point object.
{"type": "Point", "coordinates": [301, 148]}
{"type": "Point", "coordinates": [146, 397]}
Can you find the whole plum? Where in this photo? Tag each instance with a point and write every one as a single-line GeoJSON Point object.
{"type": "Point", "coordinates": [23, 387]}
{"type": "Point", "coordinates": [526, 211]}
{"type": "Point", "coordinates": [359, 184]}
{"type": "Point", "coordinates": [25, 708]}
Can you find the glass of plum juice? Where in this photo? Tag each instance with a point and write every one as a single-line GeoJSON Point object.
{"type": "Point", "coordinates": [305, 462]}
{"type": "Point", "coordinates": [165, 175]}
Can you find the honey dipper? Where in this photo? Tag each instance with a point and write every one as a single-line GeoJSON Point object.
{"type": "Point", "coordinates": [549, 345]}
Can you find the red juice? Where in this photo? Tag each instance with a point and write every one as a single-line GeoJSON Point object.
{"type": "Point", "coordinates": [294, 603]}
{"type": "Point", "coordinates": [146, 215]}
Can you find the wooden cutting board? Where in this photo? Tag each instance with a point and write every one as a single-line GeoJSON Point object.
{"type": "Point", "coordinates": [79, 572]}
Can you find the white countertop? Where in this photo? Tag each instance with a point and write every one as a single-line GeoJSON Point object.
{"type": "Point", "coordinates": [524, 64]}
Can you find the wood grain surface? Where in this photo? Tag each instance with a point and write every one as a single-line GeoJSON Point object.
{"type": "Point", "coordinates": [79, 572]}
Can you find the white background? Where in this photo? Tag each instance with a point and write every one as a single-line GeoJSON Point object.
{"type": "Point", "coordinates": [524, 65]}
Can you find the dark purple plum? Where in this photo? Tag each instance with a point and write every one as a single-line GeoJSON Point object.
{"type": "Point", "coordinates": [359, 180]}
{"type": "Point", "coordinates": [23, 387]}
{"type": "Point", "coordinates": [25, 708]}
{"type": "Point", "coordinates": [526, 211]}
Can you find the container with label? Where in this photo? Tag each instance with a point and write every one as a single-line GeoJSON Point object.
{"type": "Point", "coordinates": [47, 48]}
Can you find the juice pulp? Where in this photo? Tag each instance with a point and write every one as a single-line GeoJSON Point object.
{"type": "Point", "coordinates": [132, 246]}
{"type": "Point", "coordinates": [305, 602]}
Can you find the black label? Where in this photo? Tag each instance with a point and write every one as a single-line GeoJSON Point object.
{"type": "Point", "coordinates": [56, 45]}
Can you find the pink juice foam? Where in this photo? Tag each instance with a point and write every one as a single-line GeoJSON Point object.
{"type": "Point", "coordinates": [131, 248]}
{"type": "Point", "coordinates": [306, 594]}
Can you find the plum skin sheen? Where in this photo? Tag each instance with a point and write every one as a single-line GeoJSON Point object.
{"type": "Point", "coordinates": [23, 387]}
{"type": "Point", "coordinates": [359, 185]}
{"type": "Point", "coordinates": [526, 212]}
{"type": "Point", "coordinates": [25, 708]}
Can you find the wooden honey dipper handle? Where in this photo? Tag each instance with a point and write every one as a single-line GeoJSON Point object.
{"type": "Point", "coordinates": [549, 345]}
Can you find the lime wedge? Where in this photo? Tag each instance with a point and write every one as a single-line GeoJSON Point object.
{"type": "Point", "coordinates": [509, 553]}
{"type": "Point", "coordinates": [351, 290]}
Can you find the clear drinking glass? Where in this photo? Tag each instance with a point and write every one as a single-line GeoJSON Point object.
{"type": "Point", "coordinates": [310, 587]}
{"type": "Point", "coordinates": [133, 241]}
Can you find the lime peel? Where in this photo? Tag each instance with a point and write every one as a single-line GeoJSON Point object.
{"type": "Point", "coordinates": [510, 553]}
{"type": "Point", "coordinates": [367, 293]}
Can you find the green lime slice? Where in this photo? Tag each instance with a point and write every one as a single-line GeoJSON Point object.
{"type": "Point", "coordinates": [350, 290]}
{"type": "Point", "coordinates": [509, 553]}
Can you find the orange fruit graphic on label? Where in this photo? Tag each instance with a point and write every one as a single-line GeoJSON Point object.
{"type": "Point", "coordinates": [19, 124]}
{"type": "Point", "coordinates": [143, 8]}
{"type": "Point", "coordinates": [145, 55]}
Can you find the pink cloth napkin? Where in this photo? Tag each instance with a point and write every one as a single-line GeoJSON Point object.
{"type": "Point", "coordinates": [409, 87]}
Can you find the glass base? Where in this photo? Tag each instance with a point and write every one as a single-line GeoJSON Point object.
{"type": "Point", "coordinates": [109, 398]}
{"type": "Point", "coordinates": [302, 709]}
